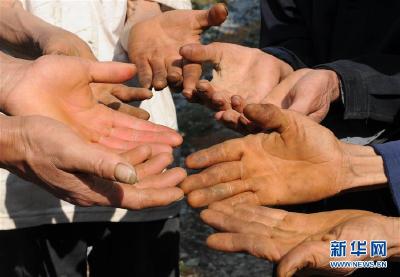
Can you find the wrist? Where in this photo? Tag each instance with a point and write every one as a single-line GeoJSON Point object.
{"type": "Point", "coordinates": [11, 149]}
{"type": "Point", "coordinates": [138, 11]}
{"type": "Point", "coordinates": [333, 83]}
{"type": "Point", "coordinates": [363, 168]}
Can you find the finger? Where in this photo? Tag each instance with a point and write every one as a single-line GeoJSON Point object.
{"type": "Point", "coordinates": [127, 94]}
{"type": "Point", "coordinates": [255, 245]}
{"type": "Point", "coordinates": [145, 136]}
{"type": "Point", "coordinates": [137, 155]}
{"type": "Point", "coordinates": [218, 116]}
{"type": "Point", "coordinates": [144, 72]}
{"type": "Point", "coordinates": [130, 110]}
{"type": "Point", "coordinates": [238, 103]}
{"type": "Point", "coordinates": [85, 158]}
{"type": "Point", "coordinates": [159, 73]}
{"type": "Point", "coordinates": [202, 53]}
{"type": "Point", "coordinates": [267, 216]}
{"type": "Point", "coordinates": [191, 75]}
{"type": "Point", "coordinates": [114, 103]}
{"type": "Point", "coordinates": [267, 116]}
{"type": "Point", "coordinates": [219, 173]}
{"type": "Point", "coordinates": [242, 198]}
{"type": "Point", "coordinates": [208, 93]}
{"type": "Point", "coordinates": [169, 178]}
{"type": "Point", "coordinates": [203, 197]}
{"type": "Point", "coordinates": [212, 17]}
{"type": "Point", "coordinates": [111, 72]}
{"type": "Point", "coordinates": [174, 71]}
{"type": "Point", "coordinates": [136, 199]}
{"type": "Point", "coordinates": [125, 121]}
{"type": "Point", "coordinates": [124, 145]}
{"type": "Point", "coordinates": [227, 151]}
{"type": "Point", "coordinates": [309, 254]}
{"type": "Point", "coordinates": [231, 119]}
{"type": "Point", "coordinates": [154, 165]}
{"type": "Point", "coordinates": [232, 224]}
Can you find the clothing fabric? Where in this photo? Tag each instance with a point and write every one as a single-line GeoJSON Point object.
{"type": "Point", "coordinates": [116, 249]}
{"type": "Point", "coordinates": [390, 153]}
{"type": "Point", "coordinates": [99, 23]}
{"type": "Point", "coordinates": [358, 39]}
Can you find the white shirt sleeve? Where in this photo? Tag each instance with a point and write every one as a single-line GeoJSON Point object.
{"type": "Point", "coordinates": [176, 4]}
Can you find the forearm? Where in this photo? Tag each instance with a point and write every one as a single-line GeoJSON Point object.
{"type": "Point", "coordinates": [20, 27]}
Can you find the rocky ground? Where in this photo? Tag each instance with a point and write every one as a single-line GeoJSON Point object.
{"type": "Point", "coordinates": [200, 131]}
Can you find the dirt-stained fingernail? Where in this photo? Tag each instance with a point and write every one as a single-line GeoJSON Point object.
{"type": "Point", "coordinates": [125, 174]}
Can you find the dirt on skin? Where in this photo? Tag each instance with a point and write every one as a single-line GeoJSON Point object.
{"type": "Point", "coordinates": [200, 130]}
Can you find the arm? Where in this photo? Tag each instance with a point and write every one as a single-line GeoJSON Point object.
{"type": "Point", "coordinates": [390, 153]}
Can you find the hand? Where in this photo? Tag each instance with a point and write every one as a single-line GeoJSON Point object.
{"type": "Point", "coordinates": [50, 154]}
{"type": "Point", "coordinates": [41, 88]}
{"type": "Point", "coordinates": [307, 91]}
{"type": "Point", "coordinates": [247, 72]}
{"type": "Point", "coordinates": [300, 161]}
{"type": "Point", "coordinates": [298, 241]}
{"type": "Point", "coordinates": [154, 44]}
{"type": "Point", "coordinates": [61, 42]}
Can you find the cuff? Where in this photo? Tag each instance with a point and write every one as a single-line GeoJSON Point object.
{"type": "Point", "coordinates": [390, 153]}
{"type": "Point", "coordinates": [355, 94]}
{"type": "Point", "coordinates": [285, 55]}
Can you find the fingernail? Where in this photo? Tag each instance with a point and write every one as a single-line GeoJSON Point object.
{"type": "Point", "coordinates": [125, 174]}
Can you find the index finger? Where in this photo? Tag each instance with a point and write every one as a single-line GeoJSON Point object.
{"type": "Point", "coordinates": [191, 75]}
{"type": "Point", "coordinates": [227, 151]}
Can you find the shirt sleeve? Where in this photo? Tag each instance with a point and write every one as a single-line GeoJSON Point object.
{"type": "Point", "coordinates": [176, 4]}
{"type": "Point", "coordinates": [390, 153]}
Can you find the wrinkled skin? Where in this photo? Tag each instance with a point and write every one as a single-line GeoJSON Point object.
{"type": "Point", "coordinates": [50, 154]}
{"type": "Point", "coordinates": [65, 95]}
{"type": "Point", "coordinates": [270, 169]}
{"type": "Point", "coordinates": [62, 42]}
{"type": "Point", "coordinates": [242, 71]}
{"type": "Point", "coordinates": [154, 44]}
{"type": "Point", "coordinates": [298, 242]}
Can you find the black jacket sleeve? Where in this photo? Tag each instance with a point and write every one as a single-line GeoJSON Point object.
{"type": "Point", "coordinates": [371, 86]}
{"type": "Point", "coordinates": [284, 32]}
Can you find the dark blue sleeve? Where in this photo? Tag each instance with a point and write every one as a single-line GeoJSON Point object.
{"type": "Point", "coordinates": [390, 153]}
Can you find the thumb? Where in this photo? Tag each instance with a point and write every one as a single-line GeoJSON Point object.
{"type": "Point", "coordinates": [93, 160]}
{"type": "Point", "coordinates": [202, 53]}
{"type": "Point", "coordinates": [111, 72]}
{"type": "Point", "coordinates": [305, 255]}
{"type": "Point", "coordinates": [267, 116]}
{"type": "Point", "coordinates": [212, 17]}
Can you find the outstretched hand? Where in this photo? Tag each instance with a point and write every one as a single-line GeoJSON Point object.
{"type": "Point", "coordinates": [238, 71]}
{"type": "Point", "coordinates": [50, 154]}
{"type": "Point", "coordinates": [299, 161]}
{"type": "Point", "coordinates": [298, 242]}
{"type": "Point", "coordinates": [154, 44]}
{"type": "Point", "coordinates": [64, 93]}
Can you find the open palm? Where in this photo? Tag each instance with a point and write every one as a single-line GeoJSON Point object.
{"type": "Point", "coordinates": [299, 162]}
{"type": "Point", "coordinates": [59, 87]}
